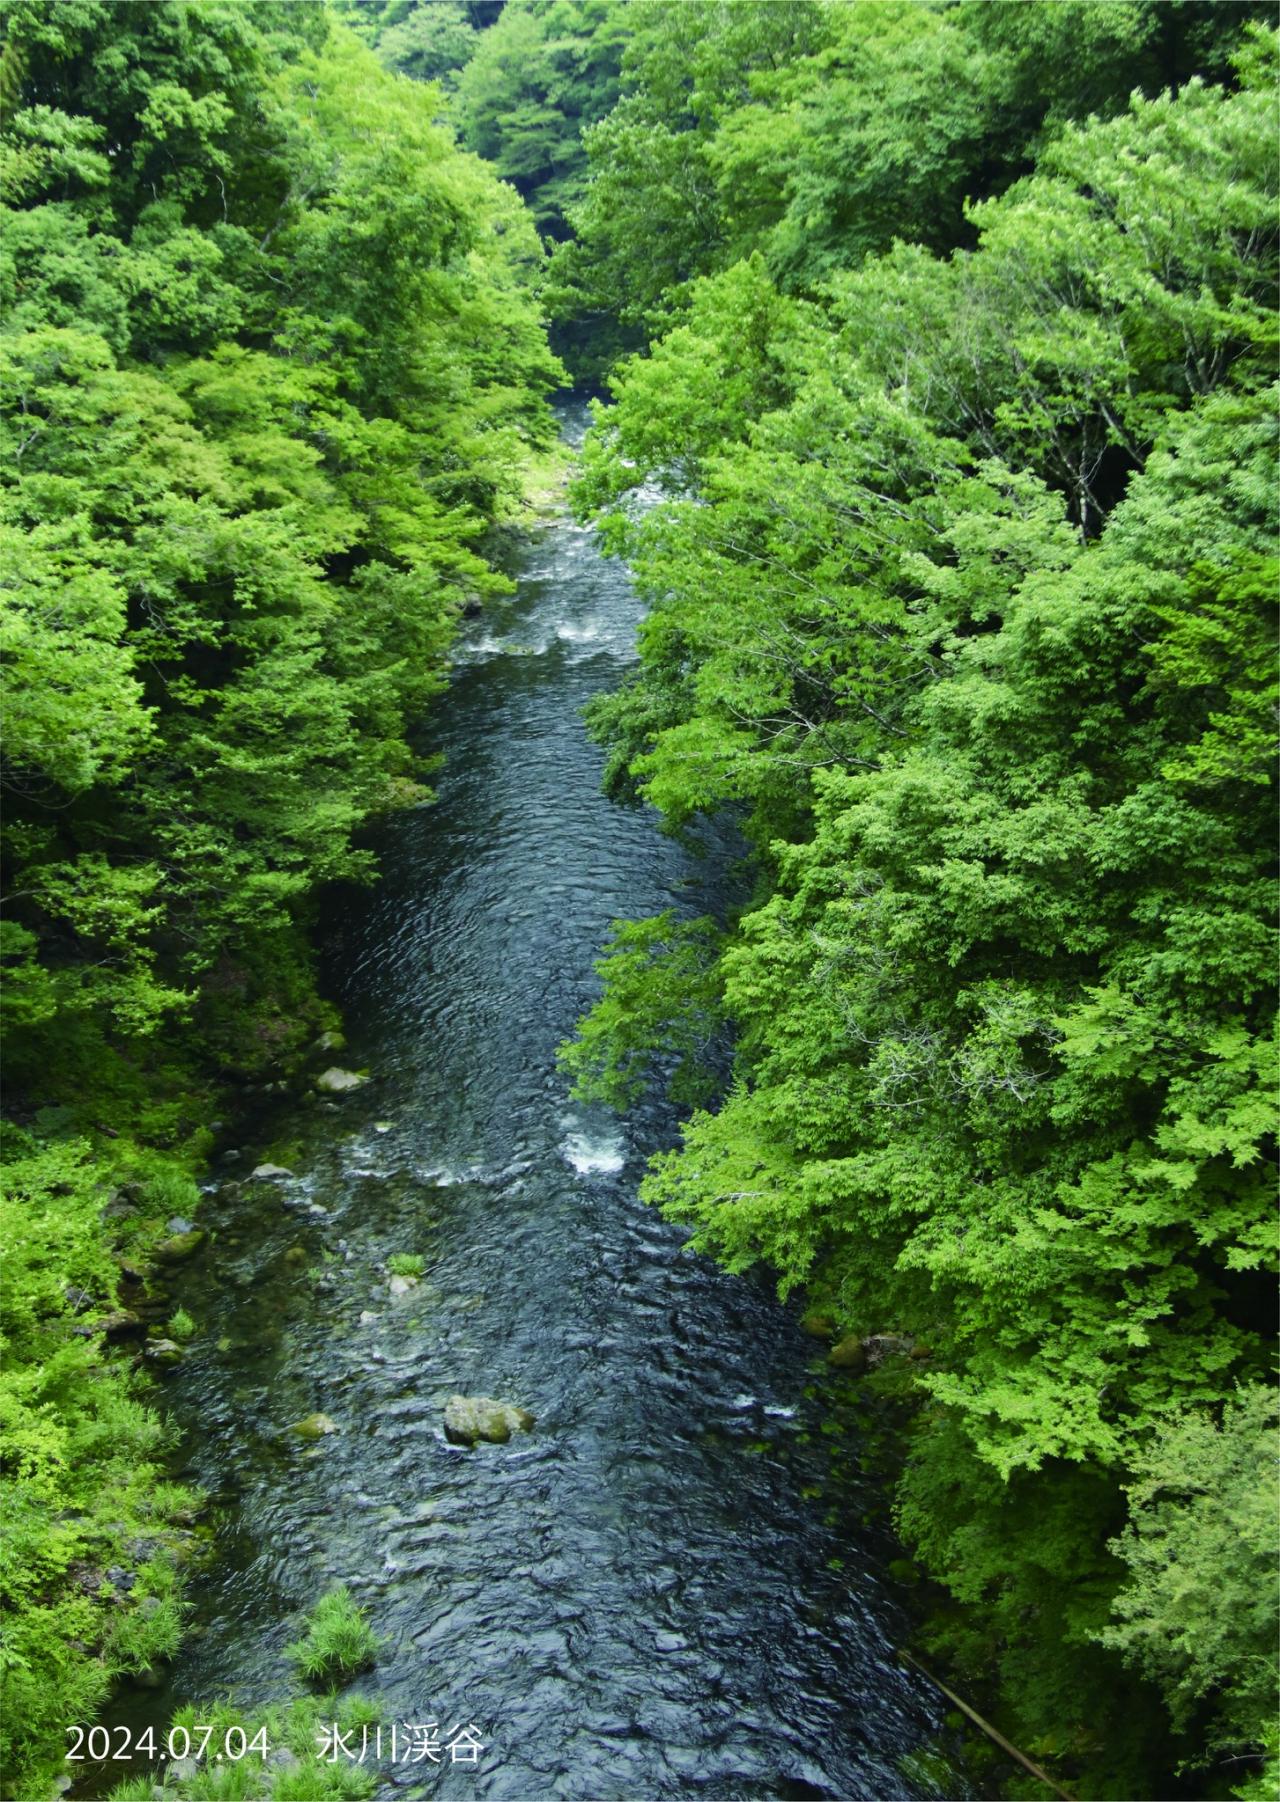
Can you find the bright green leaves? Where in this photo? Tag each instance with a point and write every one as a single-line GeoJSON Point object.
{"type": "Point", "coordinates": [542, 73]}
{"type": "Point", "coordinates": [429, 43]}
{"type": "Point", "coordinates": [1198, 1612]}
{"type": "Point", "coordinates": [818, 135]}
{"type": "Point", "coordinates": [251, 451]}
{"type": "Point", "coordinates": [45, 149]}
{"type": "Point", "coordinates": [84, 1488]}
{"type": "Point", "coordinates": [74, 715]}
{"type": "Point", "coordinates": [872, 138]}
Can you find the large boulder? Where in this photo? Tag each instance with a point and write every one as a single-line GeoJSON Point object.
{"type": "Point", "coordinates": [469, 1418]}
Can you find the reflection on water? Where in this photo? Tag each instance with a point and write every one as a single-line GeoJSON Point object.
{"type": "Point", "coordinates": [667, 1588]}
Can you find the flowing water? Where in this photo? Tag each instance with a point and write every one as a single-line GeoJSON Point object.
{"type": "Point", "coordinates": [672, 1585]}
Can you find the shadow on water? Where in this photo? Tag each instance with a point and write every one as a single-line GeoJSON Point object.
{"type": "Point", "coordinates": [663, 1590]}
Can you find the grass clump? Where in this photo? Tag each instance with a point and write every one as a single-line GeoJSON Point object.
{"type": "Point", "coordinates": [181, 1325]}
{"type": "Point", "coordinates": [339, 1640]}
{"type": "Point", "coordinates": [406, 1263]}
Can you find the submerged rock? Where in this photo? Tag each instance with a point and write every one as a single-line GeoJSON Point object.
{"type": "Point", "coordinates": [340, 1082]}
{"type": "Point", "coordinates": [402, 1285]}
{"type": "Point", "coordinates": [468, 1418]}
{"type": "Point", "coordinates": [164, 1351]}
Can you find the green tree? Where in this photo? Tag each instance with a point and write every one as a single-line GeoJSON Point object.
{"type": "Point", "coordinates": [547, 70]}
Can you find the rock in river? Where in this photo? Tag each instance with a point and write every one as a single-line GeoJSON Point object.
{"type": "Point", "coordinates": [468, 1418]}
{"type": "Point", "coordinates": [314, 1426]}
{"type": "Point", "coordinates": [179, 1247]}
{"type": "Point", "coordinates": [269, 1173]}
{"type": "Point", "coordinates": [338, 1082]}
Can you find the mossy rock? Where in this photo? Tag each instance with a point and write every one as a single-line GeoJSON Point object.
{"type": "Point", "coordinates": [849, 1354]}
{"type": "Point", "coordinates": [314, 1426]}
{"type": "Point", "coordinates": [122, 1323]}
{"type": "Point", "coordinates": [181, 1246]}
{"type": "Point", "coordinates": [471, 1418]}
{"type": "Point", "coordinates": [817, 1324]}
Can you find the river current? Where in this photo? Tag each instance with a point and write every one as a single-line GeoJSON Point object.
{"type": "Point", "coordinates": [673, 1585]}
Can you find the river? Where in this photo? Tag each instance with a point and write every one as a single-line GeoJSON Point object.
{"type": "Point", "coordinates": [672, 1586]}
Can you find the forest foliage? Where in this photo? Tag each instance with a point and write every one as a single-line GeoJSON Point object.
{"type": "Point", "coordinates": [271, 364]}
{"type": "Point", "coordinates": [948, 332]}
